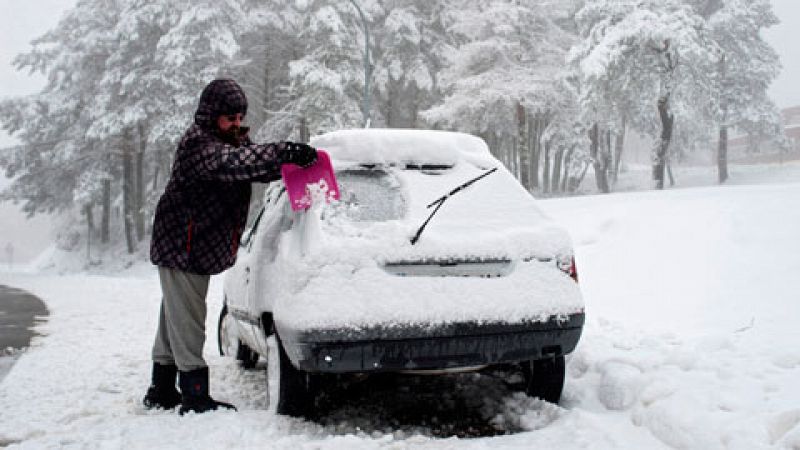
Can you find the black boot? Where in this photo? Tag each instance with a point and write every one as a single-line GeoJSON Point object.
{"type": "Point", "coordinates": [162, 392]}
{"type": "Point", "coordinates": [194, 386]}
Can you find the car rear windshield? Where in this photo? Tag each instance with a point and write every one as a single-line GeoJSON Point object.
{"type": "Point", "coordinates": [370, 195]}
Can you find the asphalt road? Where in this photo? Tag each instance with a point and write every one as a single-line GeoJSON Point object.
{"type": "Point", "coordinates": [19, 312]}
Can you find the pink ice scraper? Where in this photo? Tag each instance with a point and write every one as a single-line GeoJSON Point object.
{"type": "Point", "coordinates": [303, 183]}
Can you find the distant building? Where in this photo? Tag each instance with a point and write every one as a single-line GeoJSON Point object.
{"type": "Point", "coordinates": [741, 145]}
{"type": "Point", "coordinates": [791, 122]}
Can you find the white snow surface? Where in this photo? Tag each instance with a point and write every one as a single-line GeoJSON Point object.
{"type": "Point", "coordinates": [402, 146]}
{"type": "Point", "coordinates": [342, 298]}
{"type": "Point", "coordinates": [691, 342]}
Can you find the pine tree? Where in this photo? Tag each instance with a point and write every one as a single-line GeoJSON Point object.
{"type": "Point", "coordinates": [745, 68]}
{"type": "Point", "coordinates": [502, 76]}
{"type": "Point", "coordinates": [639, 54]}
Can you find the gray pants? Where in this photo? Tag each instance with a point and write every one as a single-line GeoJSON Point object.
{"type": "Point", "coordinates": [181, 331]}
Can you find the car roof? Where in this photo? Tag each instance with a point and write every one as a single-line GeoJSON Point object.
{"type": "Point", "coordinates": [404, 147]}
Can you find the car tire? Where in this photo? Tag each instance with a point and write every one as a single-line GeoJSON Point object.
{"type": "Point", "coordinates": [230, 345]}
{"type": "Point", "coordinates": [544, 378]}
{"type": "Point", "coordinates": [297, 390]}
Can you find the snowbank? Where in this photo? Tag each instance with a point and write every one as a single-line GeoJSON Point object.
{"type": "Point", "coordinates": [691, 343]}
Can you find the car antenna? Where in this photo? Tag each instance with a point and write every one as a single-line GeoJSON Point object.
{"type": "Point", "coordinates": [440, 201]}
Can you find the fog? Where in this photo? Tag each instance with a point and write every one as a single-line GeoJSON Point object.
{"type": "Point", "coordinates": [784, 37]}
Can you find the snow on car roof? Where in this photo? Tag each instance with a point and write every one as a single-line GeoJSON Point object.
{"type": "Point", "coordinates": [404, 147]}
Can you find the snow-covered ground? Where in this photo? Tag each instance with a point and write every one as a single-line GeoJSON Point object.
{"type": "Point", "coordinates": [691, 342]}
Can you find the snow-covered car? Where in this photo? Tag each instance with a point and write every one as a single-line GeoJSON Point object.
{"type": "Point", "coordinates": [434, 259]}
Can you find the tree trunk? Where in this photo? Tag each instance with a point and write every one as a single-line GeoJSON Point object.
{"type": "Point", "coordinates": [105, 218]}
{"type": "Point", "coordinates": [524, 154]}
{"type": "Point", "coordinates": [510, 155]}
{"type": "Point", "coordinates": [556, 178]}
{"type": "Point", "coordinates": [156, 173]}
{"type": "Point", "coordinates": [722, 154]}
{"type": "Point", "coordinates": [669, 174]}
{"type": "Point", "coordinates": [619, 145]}
{"type": "Point", "coordinates": [536, 149]}
{"type": "Point", "coordinates": [722, 149]}
{"type": "Point", "coordinates": [660, 156]}
{"type": "Point", "coordinates": [267, 94]}
{"type": "Point", "coordinates": [128, 195]}
{"type": "Point", "coordinates": [388, 114]}
{"type": "Point", "coordinates": [413, 119]}
{"type": "Point", "coordinates": [598, 160]}
{"type": "Point", "coordinates": [138, 202]}
{"type": "Point", "coordinates": [607, 158]}
{"type": "Point", "coordinates": [163, 163]}
{"type": "Point", "coordinates": [546, 168]}
{"type": "Point", "coordinates": [87, 210]}
{"type": "Point", "coordinates": [305, 133]}
{"type": "Point", "coordinates": [567, 162]}
{"type": "Point", "coordinates": [576, 182]}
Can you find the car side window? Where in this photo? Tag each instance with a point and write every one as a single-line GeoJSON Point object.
{"type": "Point", "coordinates": [248, 235]}
{"type": "Point", "coordinates": [271, 197]}
{"type": "Point", "coordinates": [272, 194]}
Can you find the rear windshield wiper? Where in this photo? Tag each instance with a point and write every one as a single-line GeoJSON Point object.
{"type": "Point", "coordinates": [440, 201]}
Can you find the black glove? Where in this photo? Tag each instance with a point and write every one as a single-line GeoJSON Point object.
{"type": "Point", "coordinates": [296, 153]}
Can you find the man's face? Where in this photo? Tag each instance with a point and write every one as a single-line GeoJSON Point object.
{"type": "Point", "coordinates": [226, 122]}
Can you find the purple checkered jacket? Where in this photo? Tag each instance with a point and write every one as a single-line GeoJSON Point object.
{"type": "Point", "coordinates": [202, 212]}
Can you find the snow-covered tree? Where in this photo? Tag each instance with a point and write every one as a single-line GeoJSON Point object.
{"type": "Point", "coordinates": [327, 74]}
{"type": "Point", "coordinates": [501, 79]}
{"type": "Point", "coordinates": [410, 44]}
{"type": "Point", "coordinates": [645, 61]}
{"type": "Point", "coordinates": [123, 80]}
{"type": "Point", "coordinates": [745, 68]}
{"type": "Point", "coordinates": [52, 124]}
{"type": "Point", "coordinates": [269, 43]}
{"type": "Point", "coordinates": [164, 53]}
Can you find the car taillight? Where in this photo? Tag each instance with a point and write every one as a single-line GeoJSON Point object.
{"type": "Point", "coordinates": [573, 270]}
{"type": "Point", "coordinates": [568, 266]}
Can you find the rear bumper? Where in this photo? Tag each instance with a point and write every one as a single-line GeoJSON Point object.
{"type": "Point", "coordinates": [431, 347]}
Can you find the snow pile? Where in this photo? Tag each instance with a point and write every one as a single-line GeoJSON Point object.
{"type": "Point", "coordinates": [711, 275]}
{"type": "Point", "coordinates": [402, 147]}
{"type": "Point", "coordinates": [691, 343]}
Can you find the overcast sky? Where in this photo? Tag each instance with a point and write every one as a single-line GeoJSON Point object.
{"type": "Point", "coordinates": [23, 20]}
{"type": "Point", "coordinates": [784, 37]}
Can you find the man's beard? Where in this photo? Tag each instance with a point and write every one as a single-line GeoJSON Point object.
{"type": "Point", "coordinates": [234, 135]}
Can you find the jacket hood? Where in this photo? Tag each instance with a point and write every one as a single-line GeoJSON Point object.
{"type": "Point", "coordinates": [220, 97]}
